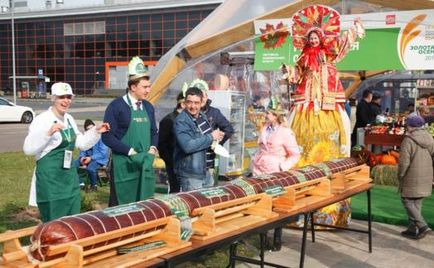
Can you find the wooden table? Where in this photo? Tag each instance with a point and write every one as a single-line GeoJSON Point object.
{"type": "Point", "coordinates": [383, 139]}
{"type": "Point", "coordinates": [199, 248]}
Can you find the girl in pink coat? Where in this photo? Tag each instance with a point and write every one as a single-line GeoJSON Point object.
{"type": "Point", "coordinates": [278, 149]}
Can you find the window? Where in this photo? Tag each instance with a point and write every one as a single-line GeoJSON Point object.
{"type": "Point", "coordinates": [3, 102]}
{"type": "Point", "coordinates": [84, 28]}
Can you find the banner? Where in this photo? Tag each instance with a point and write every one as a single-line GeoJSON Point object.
{"type": "Point", "coordinates": [273, 46]}
{"type": "Point", "coordinates": [402, 40]}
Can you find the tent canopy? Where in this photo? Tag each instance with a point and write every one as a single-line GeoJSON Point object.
{"type": "Point", "coordinates": [232, 22]}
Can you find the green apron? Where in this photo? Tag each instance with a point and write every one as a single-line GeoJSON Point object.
{"type": "Point", "coordinates": [134, 175]}
{"type": "Point", "coordinates": [57, 188]}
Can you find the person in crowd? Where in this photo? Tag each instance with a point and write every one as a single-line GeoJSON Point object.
{"type": "Point", "coordinates": [52, 137]}
{"type": "Point", "coordinates": [318, 118]}
{"type": "Point", "coordinates": [375, 107]}
{"type": "Point", "coordinates": [166, 142]}
{"type": "Point", "coordinates": [217, 121]}
{"type": "Point", "coordinates": [257, 104]}
{"type": "Point", "coordinates": [133, 139]}
{"type": "Point", "coordinates": [422, 111]}
{"type": "Point", "coordinates": [278, 150]}
{"type": "Point", "coordinates": [415, 174]}
{"type": "Point", "coordinates": [91, 160]}
{"type": "Point", "coordinates": [410, 108]}
{"type": "Point", "coordinates": [194, 136]}
{"type": "Point", "coordinates": [363, 114]}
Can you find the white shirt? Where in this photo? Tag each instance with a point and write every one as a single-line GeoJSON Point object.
{"type": "Point", "coordinates": [133, 101]}
{"type": "Point", "coordinates": [38, 143]}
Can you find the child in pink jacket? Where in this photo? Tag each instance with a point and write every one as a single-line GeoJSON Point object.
{"type": "Point", "coordinates": [278, 149]}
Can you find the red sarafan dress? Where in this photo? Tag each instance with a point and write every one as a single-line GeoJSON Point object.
{"type": "Point", "coordinates": [318, 118]}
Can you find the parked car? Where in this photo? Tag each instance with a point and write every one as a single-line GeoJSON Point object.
{"type": "Point", "coordinates": [10, 112]}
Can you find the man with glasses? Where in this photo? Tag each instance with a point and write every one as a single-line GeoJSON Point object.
{"type": "Point", "coordinates": [133, 139]}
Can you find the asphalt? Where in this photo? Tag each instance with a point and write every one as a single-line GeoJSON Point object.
{"type": "Point", "coordinates": [350, 249]}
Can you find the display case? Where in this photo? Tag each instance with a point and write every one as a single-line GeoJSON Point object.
{"type": "Point", "coordinates": [426, 93]}
{"type": "Point", "coordinates": [232, 105]}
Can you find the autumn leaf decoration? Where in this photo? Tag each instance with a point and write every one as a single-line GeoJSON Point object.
{"type": "Point", "coordinates": [273, 37]}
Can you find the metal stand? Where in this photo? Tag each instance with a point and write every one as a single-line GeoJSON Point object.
{"type": "Point", "coordinates": [261, 262]}
{"type": "Point", "coordinates": [309, 216]}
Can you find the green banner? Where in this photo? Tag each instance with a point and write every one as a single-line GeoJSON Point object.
{"type": "Point", "coordinates": [393, 41]}
{"type": "Point", "coordinates": [273, 45]}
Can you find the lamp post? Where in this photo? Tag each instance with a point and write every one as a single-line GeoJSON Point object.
{"type": "Point", "coordinates": [14, 78]}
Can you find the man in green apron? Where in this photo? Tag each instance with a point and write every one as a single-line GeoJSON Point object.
{"type": "Point", "coordinates": [56, 190]}
{"type": "Point", "coordinates": [133, 139]}
{"type": "Point", "coordinates": [52, 137]}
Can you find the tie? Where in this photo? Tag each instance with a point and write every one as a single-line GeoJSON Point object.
{"type": "Point", "coordinates": [139, 105]}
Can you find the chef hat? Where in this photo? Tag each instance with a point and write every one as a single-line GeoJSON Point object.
{"type": "Point", "coordinates": [60, 89]}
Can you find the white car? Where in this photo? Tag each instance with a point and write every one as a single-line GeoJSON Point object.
{"type": "Point", "coordinates": [10, 112]}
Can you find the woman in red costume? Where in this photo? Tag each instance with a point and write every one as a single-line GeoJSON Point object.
{"type": "Point", "coordinates": [318, 118]}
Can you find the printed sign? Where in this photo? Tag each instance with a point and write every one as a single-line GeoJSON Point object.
{"type": "Point", "coordinates": [402, 40]}
{"type": "Point", "coordinates": [121, 210]}
{"type": "Point", "coordinates": [275, 190]}
{"type": "Point", "coordinates": [273, 44]}
{"type": "Point", "coordinates": [217, 192]}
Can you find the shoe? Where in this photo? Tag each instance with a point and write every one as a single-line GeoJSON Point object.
{"type": "Point", "coordinates": [423, 232]}
{"type": "Point", "coordinates": [82, 186]}
{"type": "Point", "coordinates": [93, 188]}
{"type": "Point", "coordinates": [410, 234]}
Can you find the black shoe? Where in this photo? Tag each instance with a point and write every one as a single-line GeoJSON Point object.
{"type": "Point", "coordinates": [410, 234]}
{"type": "Point", "coordinates": [423, 232]}
{"type": "Point", "coordinates": [82, 187]}
{"type": "Point", "coordinates": [93, 188]}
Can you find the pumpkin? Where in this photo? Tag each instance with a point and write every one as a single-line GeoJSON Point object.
{"type": "Point", "coordinates": [388, 159]}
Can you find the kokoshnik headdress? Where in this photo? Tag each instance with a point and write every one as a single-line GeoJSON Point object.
{"type": "Point", "coordinates": [137, 69]}
{"type": "Point", "coordinates": [199, 83]}
{"type": "Point", "coordinates": [325, 21]}
{"type": "Point", "coordinates": [275, 106]}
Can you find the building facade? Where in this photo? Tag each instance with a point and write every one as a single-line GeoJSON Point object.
{"type": "Point", "coordinates": [90, 49]}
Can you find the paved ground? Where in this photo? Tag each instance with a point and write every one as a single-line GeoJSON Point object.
{"type": "Point", "coordinates": [12, 135]}
{"type": "Point", "coordinates": [350, 249]}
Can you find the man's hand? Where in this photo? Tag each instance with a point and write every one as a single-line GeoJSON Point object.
{"type": "Point", "coordinates": [217, 135]}
{"type": "Point", "coordinates": [54, 128]}
{"type": "Point", "coordinates": [104, 127]}
{"type": "Point", "coordinates": [87, 160]}
{"type": "Point", "coordinates": [84, 161]}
